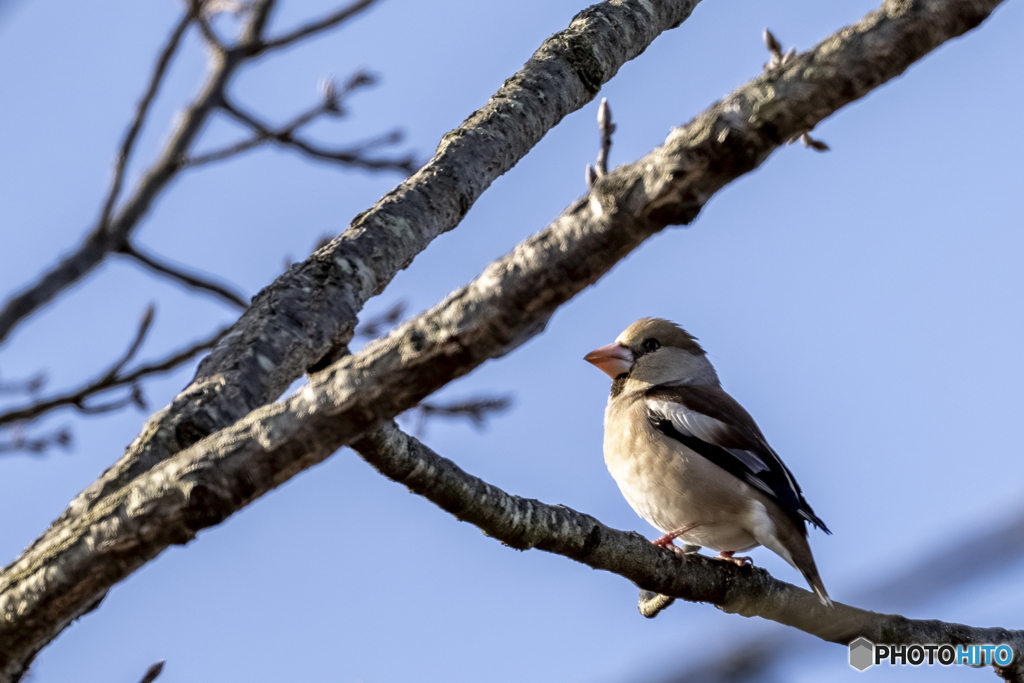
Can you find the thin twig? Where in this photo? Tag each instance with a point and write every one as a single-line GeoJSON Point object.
{"type": "Point", "coordinates": [348, 157]}
{"type": "Point", "coordinates": [140, 336]}
{"type": "Point", "coordinates": [114, 228]}
{"type": "Point", "coordinates": [187, 279]}
{"type": "Point", "coordinates": [152, 672]}
{"type": "Point", "coordinates": [213, 41]}
{"type": "Point", "coordinates": [476, 410]}
{"type": "Point", "coordinates": [331, 103]}
{"type": "Point", "coordinates": [309, 29]}
{"type": "Point", "coordinates": [604, 123]}
{"type": "Point", "coordinates": [36, 445]}
{"type": "Point", "coordinates": [259, 138]}
{"type": "Point", "coordinates": [26, 386]}
{"type": "Point", "coordinates": [109, 380]}
{"type": "Point", "coordinates": [375, 326]}
{"type": "Point", "coordinates": [121, 163]}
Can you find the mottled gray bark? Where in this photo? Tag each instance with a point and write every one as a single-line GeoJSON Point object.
{"type": "Point", "coordinates": [136, 511]}
{"type": "Point", "coordinates": [304, 320]}
{"type": "Point", "coordinates": [749, 591]}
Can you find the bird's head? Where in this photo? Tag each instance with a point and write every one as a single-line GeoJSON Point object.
{"type": "Point", "coordinates": [655, 351]}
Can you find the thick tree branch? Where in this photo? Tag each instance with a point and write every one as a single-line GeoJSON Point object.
{"type": "Point", "coordinates": [752, 592]}
{"type": "Point", "coordinates": [268, 349]}
{"type": "Point", "coordinates": [930, 578]}
{"type": "Point", "coordinates": [149, 501]}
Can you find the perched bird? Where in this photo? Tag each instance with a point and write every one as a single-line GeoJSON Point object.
{"type": "Point", "coordinates": [690, 460]}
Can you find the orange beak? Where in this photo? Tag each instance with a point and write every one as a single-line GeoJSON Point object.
{"type": "Point", "coordinates": [613, 360]}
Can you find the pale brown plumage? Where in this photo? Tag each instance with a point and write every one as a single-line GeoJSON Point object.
{"type": "Point", "coordinates": [689, 459]}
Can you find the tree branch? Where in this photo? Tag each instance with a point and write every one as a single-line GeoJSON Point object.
{"type": "Point", "coordinates": [148, 501]}
{"type": "Point", "coordinates": [266, 351]}
{"type": "Point", "coordinates": [749, 591]}
{"type": "Point", "coordinates": [286, 136]}
{"type": "Point", "coordinates": [312, 28]}
{"type": "Point", "coordinates": [926, 580]}
{"type": "Point", "coordinates": [213, 41]}
{"type": "Point", "coordinates": [123, 155]}
{"type": "Point", "coordinates": [476, 410]}
{"type": "Point", "coordinates": [36, 445]}
{"type": "Point", "coordinates": [113, 228]}
{"type": "Point", "coordinates": [111, 379]}
{"type": "Point", "coordinates": [187, 279]}
{"type": "Point", "coordinates": [152, 672]}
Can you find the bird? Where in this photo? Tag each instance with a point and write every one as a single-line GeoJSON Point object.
{"type": "Point", "coordinates": [690, 460]}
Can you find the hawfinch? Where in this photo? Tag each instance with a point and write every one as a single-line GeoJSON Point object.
{"type": "Point", "coordinates": [690, 460]}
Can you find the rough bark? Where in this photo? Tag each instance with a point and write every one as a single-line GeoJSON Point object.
{"type": "Point", "coordinates": [749, 591]}
{"type": "Point", "coordinates": [304, 320]}
{"type": "Point", "coordinates": [131, 515]}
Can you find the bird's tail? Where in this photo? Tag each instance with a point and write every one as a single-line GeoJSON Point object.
{"type": "Point", "coordinates": [810, 573]}
{"type": "Point", "coordinates": [790, 542]}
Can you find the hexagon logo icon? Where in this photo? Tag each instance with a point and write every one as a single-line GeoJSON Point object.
{"type": "Point", "coordinates": [862, 654]}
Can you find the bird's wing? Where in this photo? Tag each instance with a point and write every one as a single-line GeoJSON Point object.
{"type": "Point", "coordinates": [711, 423]}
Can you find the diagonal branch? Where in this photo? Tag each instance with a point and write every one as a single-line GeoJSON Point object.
{"type": "Point", "coordinates": [933, 575]}
{"type": "Point", "coordinates": [330, 21]}
{"type": "Point", "coordinates": [133, 513]}
{"type": "Point", "coordinates": [188, 279]}
{"type": "Point", "coordinates": [267, 350]}
{"type": "Point", "coordinates": [20, 442]}
{"type": "Point", "coordinates": [286, 136]}
{"type": "Point", "coordinates": [141, 111]}
{"type": "Point", "coordinates": [524, 524]}
{"type": "Point", "coordinates": [111, 379]}
{"type": "Point", "coordinates": [114, 228]}
{"type": "Point", "coordinates": [152, 672]}
{"type": "Point", "coordinates": [199, 12]}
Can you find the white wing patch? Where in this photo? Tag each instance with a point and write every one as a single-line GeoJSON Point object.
{"type": "Point", "coordinates": [706, 429]}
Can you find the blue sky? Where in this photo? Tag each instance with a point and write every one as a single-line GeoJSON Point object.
{"type": "Point", "coordinates": [864, 305]}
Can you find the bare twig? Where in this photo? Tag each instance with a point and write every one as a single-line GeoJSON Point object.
{"type": "Point", "coordinates": [604, 123]}
{"type": "Point", "coordinates": [31, 385]}
{"type": "Point", "coordinates": [115, 225]}
{"type": "Point", "coordinates": [476, 410]}
{"type": "Point", "coordinates": [331, 103]}
{"type": "Point", "coordinates": [38, 444]}
{"type": "Point", "coordinates": [816, 145]}
{"type": "Point", "coordinates": [931, 578]}
{"type": "Point", "coordinates": [312, 28]}
{"type": "Point", "coordinates": [152, 672]}
{"type": "Point", "coordinates": [157, 78]}
{"type": "Point", "coordinates": [201, 16]}
{"type": "Point", "coordinates": [111, 379]}
{"type": "Point", "coordinates": [354, 156]}
{"type": "Point", "coordinates": [376, 325]}
{"type": "Point", "coordinates": [188, 279]}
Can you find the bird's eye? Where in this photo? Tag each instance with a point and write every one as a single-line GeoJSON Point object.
{"type": "Point", "coordinates": [651, 344]}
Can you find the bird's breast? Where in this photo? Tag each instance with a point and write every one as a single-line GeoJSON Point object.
{"type": "Point", "coordinates": [671, 486]}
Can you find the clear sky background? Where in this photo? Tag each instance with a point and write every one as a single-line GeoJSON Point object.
{"type": "Point", "coordinates": [864, 305]}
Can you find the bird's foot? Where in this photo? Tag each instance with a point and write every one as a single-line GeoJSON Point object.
{"type": "Point", "coordinates": [726, 555]}
{"type": "Point", "coordinates": [666, 540]}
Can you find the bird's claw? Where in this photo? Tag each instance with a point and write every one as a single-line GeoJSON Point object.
{"type": "Point", "coordinates": [738, 561]}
